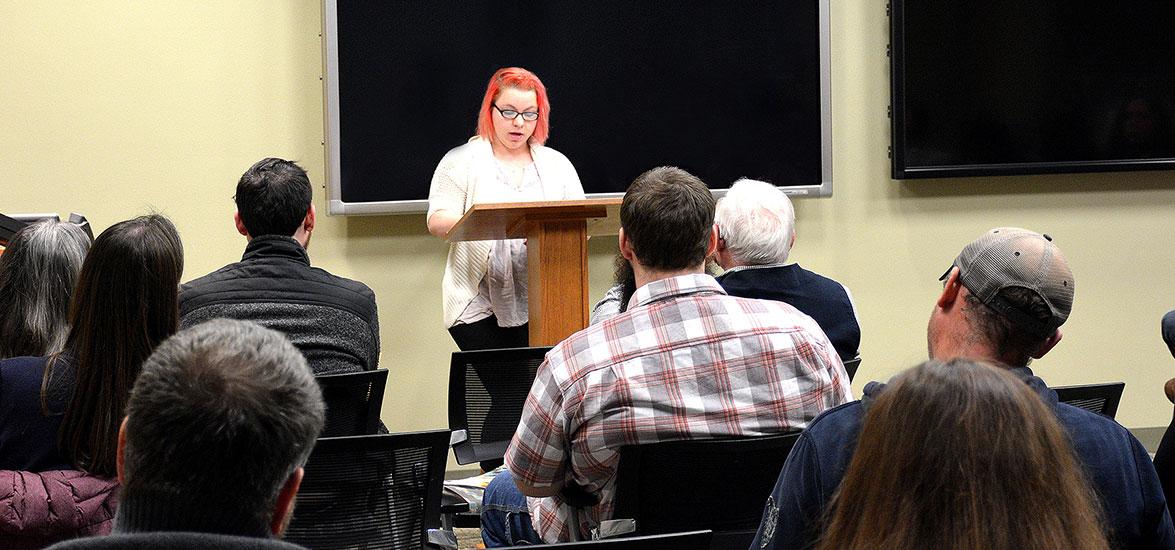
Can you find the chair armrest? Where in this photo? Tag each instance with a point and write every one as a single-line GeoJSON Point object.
{"type": "Point", "coordinates": [441, 539]}
{"type": "Point", "coordinates": [455, 508]}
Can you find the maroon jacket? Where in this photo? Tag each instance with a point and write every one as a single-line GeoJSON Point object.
{"type": "Point", "coordinates": [38, 509]}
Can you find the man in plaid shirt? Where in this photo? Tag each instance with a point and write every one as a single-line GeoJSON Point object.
{"type": "Point", "coordinates": [685, 361]}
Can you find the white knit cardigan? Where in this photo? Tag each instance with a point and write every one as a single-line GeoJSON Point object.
{"type": "Point", "coordinates": [468, 175]}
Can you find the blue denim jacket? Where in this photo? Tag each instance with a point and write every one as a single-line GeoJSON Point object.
{"type": "Point", "coordinates": [1118, 466]}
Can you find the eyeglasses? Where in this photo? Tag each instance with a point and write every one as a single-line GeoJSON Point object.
{"type": "Point", "coordinates": [511, 114]}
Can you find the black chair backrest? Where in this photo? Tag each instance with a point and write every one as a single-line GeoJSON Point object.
{"type": "Point", "coordinates": [8, 228]}
{"type": "Point", "coordinates": [717, 484]}
{"type": "Point", "coordinates": [353, 402]}
{"type": "Point", "coordinates": [851, 366]}
{"type": "Point", "coordinates": [371, 491]}
{"type": "Point", "coordinates": [172, 540]}
{"type": "Point", "coordinates": [487, 389]}
{"type": "Point", "coordinates": [693, 540]}
{"type": "Point", "coordinates": [1099, 398]}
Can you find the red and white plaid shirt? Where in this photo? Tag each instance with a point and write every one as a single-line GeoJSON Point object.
{"type": "Point", "coordinates": [685, 361]}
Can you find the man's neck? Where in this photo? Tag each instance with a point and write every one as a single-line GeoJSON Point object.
{"type": "Point", "coordinates": [300, 238]}
{"type": "Point", "coordinates": [974, 350]}
{"type": "Point", "coordinates": [728, 262]}
{"type": "Point", "coordinates": [146, 511]}
{"type": "Point", "coordinates": [645, 276]}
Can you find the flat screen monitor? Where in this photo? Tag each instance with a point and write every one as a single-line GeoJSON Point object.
{"type": "Point", "coordinates": [1010, 87]}
{"type": "Point", "coordinates": [722, 89]}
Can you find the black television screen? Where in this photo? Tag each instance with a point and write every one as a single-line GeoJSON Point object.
{"type": "Point", "coordinates": [722, 89]}
{"type": "Point", "coordinates": [1027, 87]}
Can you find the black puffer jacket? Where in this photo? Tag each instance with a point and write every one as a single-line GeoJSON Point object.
{"type": "Point", "coordinates": [332, 320]}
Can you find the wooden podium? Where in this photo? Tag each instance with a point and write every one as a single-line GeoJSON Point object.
{"type": "Point", "coordinates": [556, 234]}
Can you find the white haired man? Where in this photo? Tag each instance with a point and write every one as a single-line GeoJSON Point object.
{"type": "Point", "coordinates": [756, 230]}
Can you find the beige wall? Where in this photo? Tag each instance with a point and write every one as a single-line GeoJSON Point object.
{"type": "Point", "coordinates": [116, 108]}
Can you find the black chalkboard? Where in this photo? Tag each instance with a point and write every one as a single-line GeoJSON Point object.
{"type": "Point", "coordinates": [723, 89]}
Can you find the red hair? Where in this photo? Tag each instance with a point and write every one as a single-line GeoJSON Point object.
{"type": "Point", "coordinates": [522, 79]}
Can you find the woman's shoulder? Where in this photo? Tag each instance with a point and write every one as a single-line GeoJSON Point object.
{"type": "Point", "coordinates": [467, 150]}
{"type": "Point", "coordinates": [18, 365]}
{"type": "Point", "coordinates": [462, 157]}
{"type": "Point", "coordinates": [547, 154]}
{"type": "Point", "coordinates": [20, 371]}
{"type": "Point", "coordinates": [549, 160]}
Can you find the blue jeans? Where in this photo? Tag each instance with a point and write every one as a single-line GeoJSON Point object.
{"type": "Point", "coordinates": [505, 519]}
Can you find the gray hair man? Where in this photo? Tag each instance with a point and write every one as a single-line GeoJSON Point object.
{"type": "Point", "coordinates": [757, 228]}
{"type": "Point", "coordinates": [219, 424]}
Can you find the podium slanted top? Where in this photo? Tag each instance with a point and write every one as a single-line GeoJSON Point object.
{"type": "Point", "coordinates": [509, 220]}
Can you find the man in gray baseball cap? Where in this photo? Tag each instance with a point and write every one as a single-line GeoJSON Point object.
{"type": "Point", "coordinates": [1003, 301]}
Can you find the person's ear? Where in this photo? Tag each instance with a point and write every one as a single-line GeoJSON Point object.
{"type": "Point", "coordinates": [310, 219]}
{"type": "Point", "coordinates": [120, 454]}
{"type": "Point", "coordinates": [283, 508]}
{"type": "Point", "coordinates": [240, 224]}
{"type": "Point", "coordinates": [950, 290]}
{"type": "Point", "coordinates": [625, 246]}
{"type": "Point", "coordinates": [721, 242]}
{"type": "Point", "coordinates": [712, 245]}
{"type": "Point", "coordinates": [1048, 344]}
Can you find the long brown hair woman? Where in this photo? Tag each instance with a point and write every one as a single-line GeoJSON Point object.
{"type": "Point", "coordinates": [962, 455]}
{"type": "Point", "coordinates": [63, 411]}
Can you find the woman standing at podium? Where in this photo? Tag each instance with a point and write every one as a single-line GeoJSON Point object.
{"type": "Point", "coordinates": [484, 287]}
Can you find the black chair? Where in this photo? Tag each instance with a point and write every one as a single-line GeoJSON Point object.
{"type": "Point", "coordinates": [716, 484]}
{"type": "Point", "coordinates": [851, 366]}
{"type": "Point", "coordinates": [1099, 398]}
{"type": "Point", "coordinates": [371, 491]}
{"type": "Point", "coordinates": [487, 389]}
{"type": "Point", "coordinates": [9, 225]}
{"type": "Point", "coordinates": [693, 540]}
{"type": "Point", "coordinates": [8, 228]}
{"type": "Point", "coordinates": [353, 402]}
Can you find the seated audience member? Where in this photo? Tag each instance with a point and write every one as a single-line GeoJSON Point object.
{"type": "Point", "coordinates": [684, 361]}
{"type": "Point", "coordinates": [62, 412]}
{"type": "Point", "coordinates": [615, 301]}
{"type": "Point", "coordinates": [332, 320]}
{"type": "Point", "coordinates": [1165, 454]}
{"type": "Point", "coordinates": [217, 430]}
{"type": "Point", "coordinates": [756, 230]}
{"type": "Point", "coordinates": [1169, 331]}
{"type": "Point", "coordinates": [37, 275]}
{"type": "Point", "coordinates": [40, 508]}
{"type": "Point", "coordinates": [1003, 300]}
{"type": "Point", "coordinates": [962, 455]}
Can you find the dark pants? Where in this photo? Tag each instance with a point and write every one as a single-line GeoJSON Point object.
{"type": "Point", "coordinates": [486, 334]}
